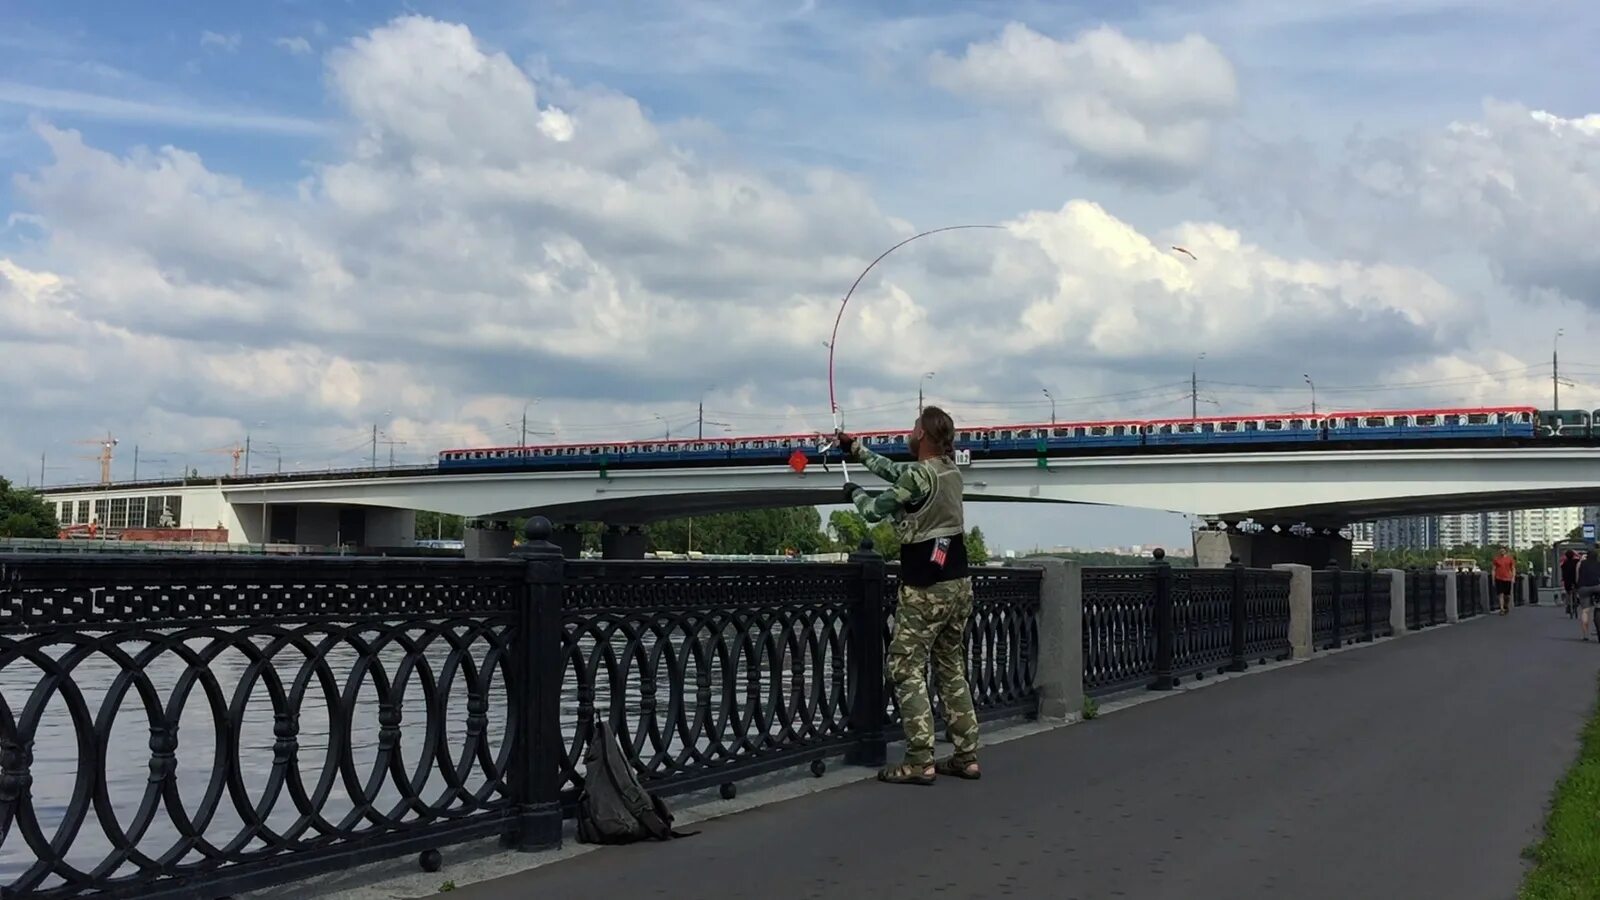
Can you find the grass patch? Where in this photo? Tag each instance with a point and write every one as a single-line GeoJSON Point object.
{"type": "Point", "coordinates": [1567, 859]}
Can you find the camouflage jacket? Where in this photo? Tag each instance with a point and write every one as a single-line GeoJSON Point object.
{"type": "Point", "coordinates": [909, 484]}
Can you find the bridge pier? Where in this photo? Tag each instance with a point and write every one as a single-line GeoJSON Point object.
{"type": "Point", "coordinates": [487, 539]}
{"type": "Point", "coordinates": [1263, 550]}
{"type": "Point", "coordinates": [569, 539]}
{"type": "Point", "coordinates": [618, 544]}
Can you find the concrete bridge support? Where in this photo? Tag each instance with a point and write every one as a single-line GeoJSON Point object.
{"type": "Point", "coordinates": [487, 539]}
{"type": "Point", "coordinates": [1265, 549]}
{"type": "Point", "coordinates": [616, 543]}
{"type": "Point", "coordinates": [569, 539]}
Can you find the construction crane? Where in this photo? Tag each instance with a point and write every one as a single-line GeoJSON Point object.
{"type": "Point", "coordinates": [235, 451]}
{"type": "Point", "coordinates": [106, 443]}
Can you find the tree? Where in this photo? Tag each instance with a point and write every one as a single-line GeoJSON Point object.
{"type": "Point", "coordinates": [746, 532]}
{"type": "Point", "coordinates": [977, 550]}
{"type": "Point", "coordinates": [433, 526]}
{"type": "Point", "coordinates": [24, 514]}
{"type": "Point", "coordinates": [1576, 534]}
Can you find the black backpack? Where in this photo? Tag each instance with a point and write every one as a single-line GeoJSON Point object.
{"type": "Point", "coordinates": [614, 808]}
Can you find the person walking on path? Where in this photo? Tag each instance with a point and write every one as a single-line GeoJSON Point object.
{"type": "Point", "coordinates": [1505, 571]}
{"type": "Point", "coordinates": [1588, 589]}
{"type": "Point", "coordinates": [924, 502]}
{"type": "Point", "coordinates": [1569, 580]}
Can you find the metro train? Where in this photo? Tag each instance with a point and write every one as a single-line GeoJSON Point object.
{"type": "Point", "coordinates": [1363, 428]}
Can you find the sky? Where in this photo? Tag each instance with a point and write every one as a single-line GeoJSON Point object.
{"type": "Point", "coordinates": [297, 222]}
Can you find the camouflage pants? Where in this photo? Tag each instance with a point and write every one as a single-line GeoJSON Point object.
{"type": "Point", "coordinates": [933, 621]}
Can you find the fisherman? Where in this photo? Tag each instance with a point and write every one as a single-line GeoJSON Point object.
{"type": "Point", "coordinates": [924, 502]}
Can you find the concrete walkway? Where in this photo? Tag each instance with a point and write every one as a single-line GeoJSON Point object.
{"type": "Point", "coordinates": [1416, 768]}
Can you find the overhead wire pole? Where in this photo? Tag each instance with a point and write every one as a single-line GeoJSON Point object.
{"type": "Point", "coordinates": [1555, 371]}
{"type": "Point", "coordinates": [1194, 387]}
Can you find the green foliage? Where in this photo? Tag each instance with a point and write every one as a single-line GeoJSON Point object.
{"type": "Point", "coordinates": [977, 550]}
{"type": "Point", "coordinates": [1530, 560]}
{"type": "Point", "coordinates": [1576, 534]}
{"type": "Point", "coordinates": [447, 887]}
{"type": "Point", "coordinates": [24, 514]}
{"type": "Point", "coordinates": [1567, 860]}
{"type": "Point", "coordinates": [432, 526]}
{"type": "Point", "coordinates": [1091, 707]}
{"type": "Point", "coordinates": [756, 531]}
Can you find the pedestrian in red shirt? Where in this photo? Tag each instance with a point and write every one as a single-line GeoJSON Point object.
{"type": "Point", "coordinates": [1505, 571]}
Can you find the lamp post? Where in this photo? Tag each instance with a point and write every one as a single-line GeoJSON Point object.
{"type": "Point", "coordinates": [664, 424]}
{"type": "Point", "coordinates": [920, 382]}
{"type": "Point", "coordinates": [700, 417]}
{"type": "Point", "coordinates": [1052, 406]}
{"type": "Point", "coordinates": [1555, 371]}
{"type": "Point", "coordinates": [525, 421]}
{"type": "Point", "coordinates": [1313, 393]}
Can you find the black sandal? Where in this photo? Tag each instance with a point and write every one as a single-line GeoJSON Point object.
{"type": "Point", "coordinates": [905, 773]}
{"type": "Point", "coordinates": [952, 766]}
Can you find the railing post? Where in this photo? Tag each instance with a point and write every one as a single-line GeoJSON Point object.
{"type": "Point", "coordinates": [1367, 627]}
{"type": "Point", "coordinates": [1336, 607]}
{"type": "Point", "coordinates": [1060, 636]}
{"type": "Point", "coordinates": [534, 775]}
{"type": "Point", "coordinates": [1236, 615]}
{"type": "Point", "coordinates": [1397, 600]}
{"type": "Point", "coordinates": [869, 702]}
{"type": "Point", "coordinates": [1302, 628]}
{"type": "Point", "coordinates": [1452, 598]}
{"type": "Point", "coordinates": [1165, 626]}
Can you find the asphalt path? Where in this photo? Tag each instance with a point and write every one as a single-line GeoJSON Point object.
{"type": "Point", "coordinates": [1419, 767]}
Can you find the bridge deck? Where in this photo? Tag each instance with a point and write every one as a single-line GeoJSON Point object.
{"type": "Point", "coordinates": [1416, 768]}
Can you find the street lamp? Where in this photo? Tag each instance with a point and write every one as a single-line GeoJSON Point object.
{"type": "Point", "coordinates": [701, 415]}
{"type": "Point", "coordinates": [920, 381]}
{"type": "Point", "coordinates": [664, 424]}
{"type": "Point", "coordinates": [1313, 393]}
{"type": "Point", "coordinates": [525, 421]}
{"type": "Point", "coordinates": [1555, 371]}
{"type": "Point", "coordinates": [1052, 406]}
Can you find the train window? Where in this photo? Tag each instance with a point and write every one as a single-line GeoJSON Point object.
{"type": "Point", "coordinates": [1252, 425]}
{"type": "Point", "coordinates": [1227, 427]}
{"type": "Point", "coordinates": [1272, 425]}
{"type": "Point", "coordinates": [1097, 430]}
{"type": "Point", "coordinates": [1079, 431]}
{"type": "Point", "coordinates": [1297, 424]}
{"type": "Point", "coordinates": [1024, 433]}
{"type": "Point", "coordinates": [1119, 430]}
{"type": "Point", "coordinates": [1427, 420]}
{"type": "Point", "coordinates": [1452, 419]}
{"type": "Point", "coordinates": [1061, 432]}
{"type": "Point", "coordinates": [673, 448]}
{"type": "Point", "coordinates": [1186, 429]}
{"type": "Point", "coordinates": [964, 436]}
{"type": "Point", "coordinates": [1376, 421]}
{"type": "Point", "coordinates": [1352, 422]}
{"type": "Point", "coordinates": [1005, 435]}
{"type": "Point", "coordinates": [1207, 428]}
{"type": "Point", "coordinates": [1163, 429]}
{"type": "Point", "coordinates": [1477, 418]}
{"type": "Point", "coordinates": [1524, 418]}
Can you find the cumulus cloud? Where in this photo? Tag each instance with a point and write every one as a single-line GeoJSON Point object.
{"type": "Point", "coordinates": [482, 238]}
{"type": "Point", "coordinates": [1517, 188]}
{"type": "Point", "coordinates": [1131, 108]}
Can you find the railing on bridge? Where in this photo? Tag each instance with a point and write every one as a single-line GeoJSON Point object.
{"type": "Point", "coordinates": [1349, 606]}
{"type": "Point", "coordinates": [217, 724]}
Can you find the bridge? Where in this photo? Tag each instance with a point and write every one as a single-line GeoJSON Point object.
{"type": "Point", "coordinates": [1323, 489]}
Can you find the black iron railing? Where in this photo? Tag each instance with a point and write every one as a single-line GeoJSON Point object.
{"type": "Point", "coordinates": [1119, 628]}
{"type": "Point", "coordinates": [1154, 625]}
{"type": "Point", "coordinates": [218, 724]}
{"type": "Point", "coordinates": [241, 722]}
{"type": "Point", "coordinates": [1344, 607]}
{"type": "Point", "coordinates": [1469, 602]}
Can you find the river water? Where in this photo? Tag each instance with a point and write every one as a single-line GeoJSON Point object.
{"type": "Point", "coordinates": [63, 767]}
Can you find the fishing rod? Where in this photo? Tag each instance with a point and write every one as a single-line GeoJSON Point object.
{"type": "Point", "coordinates": [833, 340]}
